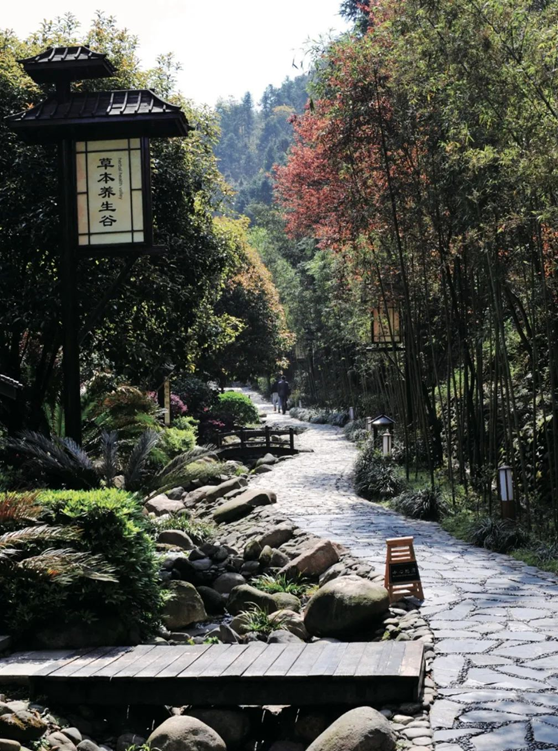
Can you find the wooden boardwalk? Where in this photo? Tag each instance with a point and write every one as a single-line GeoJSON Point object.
{"type": "Point", "coordinates": [225, 674]}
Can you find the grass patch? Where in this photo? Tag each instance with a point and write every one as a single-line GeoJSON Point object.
{"type": "Point", "coordinates": [258, 620]}
{"type": "Point", "coordinates": [273, 585]}
{"type": "Point", "coordinates": [543, 556]}
{"type": "Point", "coordinates": [199, 531]}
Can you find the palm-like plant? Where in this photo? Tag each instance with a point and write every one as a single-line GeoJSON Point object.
{"type": "Point", "coordinates": [68, 464]}
{"type": "Point", "coordinates": [21, 531]}
{"type": "Point", "coordinates": [62, 460]}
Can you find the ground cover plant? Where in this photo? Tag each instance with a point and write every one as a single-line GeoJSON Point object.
{"type": "Point", "coordinates": [377, 477]}
{"type": "Point", "coordinates": [427, 503]}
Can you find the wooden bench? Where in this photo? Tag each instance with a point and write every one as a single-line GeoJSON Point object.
{"type": "Point", "coordinates": [225, 674]}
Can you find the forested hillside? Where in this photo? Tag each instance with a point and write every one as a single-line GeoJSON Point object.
{"type": "Point", "coordinates": [255, 138]}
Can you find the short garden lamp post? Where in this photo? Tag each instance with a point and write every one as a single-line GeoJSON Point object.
{"type": "Point", "coordinates": [382, 421]}
{"type": "Point", "coordinates": [505, 487]}
{"type": "Point", "coordinates": [104, 178]}
{"type": "Point", "coordinates": [387, 443]}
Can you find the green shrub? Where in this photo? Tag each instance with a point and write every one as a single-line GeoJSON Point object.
{"type": "Point", "coordinates": [111, 526]}
{"type": "Point", "coordinates": [352, 430]}
{"type": "Point", "coordinates": [376, 476]}
{"type": "Point", "coordinates": [235, 408]}
{"type": "Point", "coordinates": [176, 441]}
{"type": "Point", "coordinates": [125, 409]}
{"type": "Point", "coordinates": [184, 422]}
{"type": "Point", "coordinates": [500, 535]}
{"type": "Point", "coordinates": [428, 504]}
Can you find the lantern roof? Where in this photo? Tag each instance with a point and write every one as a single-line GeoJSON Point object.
{"type": "Point", "coordinates": [9, 386]}
{"type": "Point", "coordinates": [58, 64]}
{"type": "Point", "coordinates": [382, 420]}
{"type": "Point", "coordinates": [98, 116]}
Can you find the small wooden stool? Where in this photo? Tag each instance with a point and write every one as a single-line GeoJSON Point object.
{"type": "Point", "coordinates": [402, 576]}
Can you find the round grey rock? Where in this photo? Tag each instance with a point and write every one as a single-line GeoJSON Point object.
{"type": "Point", "coordinates": [185, 607]}
{"type": "Point", "coordinates": [225, 583]}
{"type": "Point", "coordinates": [361, 729]}
{"type": "Point", "coordinates": [232, 725]}
{"type": "Point", "coordinates": [73, 734]}
{"type": "Point", "coordinates": [345, 606]}
{"type": "Point", "coordinates": [177, 538]}
{"type": "Point", "coordinates": [183, 733]}
{"type": "Point", "coordinates": [246, 597]}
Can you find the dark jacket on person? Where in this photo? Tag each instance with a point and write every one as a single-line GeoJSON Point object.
{"type": "Point", "coordinates": [283, 389]}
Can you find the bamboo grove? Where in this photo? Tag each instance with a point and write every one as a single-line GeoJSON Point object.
{"type": "Point", "coordinates": [425, 168]}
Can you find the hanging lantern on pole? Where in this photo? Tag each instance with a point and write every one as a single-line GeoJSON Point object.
{"type": "Point", "coordinates": [505, 486]}
{"type": "Point", "coordinates": [387, 443]}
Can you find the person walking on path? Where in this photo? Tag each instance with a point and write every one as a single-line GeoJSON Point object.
{"type": "Point", "coordinates": [284, 391]}
{"type": "Point", "coordinates": [275, 395]}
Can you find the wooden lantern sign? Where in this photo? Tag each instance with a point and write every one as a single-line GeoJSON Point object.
{"type": "Point", "coordinates": [105, 178]}
{"type": "Point", "coordinates": [402, 576]}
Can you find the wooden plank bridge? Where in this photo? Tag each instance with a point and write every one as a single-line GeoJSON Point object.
{"type": "Point", "coordinates": [256, 442]}
{"type": "Point", "coordinates": [224, 674]}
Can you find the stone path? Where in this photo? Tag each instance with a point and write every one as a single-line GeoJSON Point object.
{"type": "Point", "coordinates": [495, 620]}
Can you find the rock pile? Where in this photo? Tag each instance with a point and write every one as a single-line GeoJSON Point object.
{"type": "Point", "coordinates": [259, 578]}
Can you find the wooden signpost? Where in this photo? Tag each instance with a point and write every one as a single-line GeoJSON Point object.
{"type": "Point", "coordinates": [402, 575]}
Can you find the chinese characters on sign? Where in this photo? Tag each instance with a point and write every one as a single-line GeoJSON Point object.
{"type": "Point", "coordinates": [402, 575]}
{"type": "Point", "coordinates": [109, 192]}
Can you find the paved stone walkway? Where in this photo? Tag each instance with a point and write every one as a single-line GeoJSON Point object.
{"type": "Point", "coordinates": [495, 620]}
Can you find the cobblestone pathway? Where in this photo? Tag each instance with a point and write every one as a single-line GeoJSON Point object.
{"type": "Point", "coordinates": [495, 620]}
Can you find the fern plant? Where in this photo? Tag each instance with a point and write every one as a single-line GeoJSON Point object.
{"type": "Point", "coordinates": [21, 531]}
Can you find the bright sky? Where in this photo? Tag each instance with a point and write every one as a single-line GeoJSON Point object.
{"type": "Point", "coordinates": [226, 47]}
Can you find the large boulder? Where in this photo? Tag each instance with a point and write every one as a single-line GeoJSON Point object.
{"type": "Point", "coordinates": [267, 459]}
{"type": "Point", "coordinates": [290, 621]}
{"type": "Point", "coordinates": [246, 597]}
{"type": "Point", "coordinates": [184, 608]}
{"type": "Point", "coordinates": [22, 726]}
{"type": "Point", "coordinates": [232, 725]}
{"type": "Point", "coordinates": [286, 601]}
{"type": "Point", "coordinates": [214, 603]}
{"type": "Point", "coordinates": [177, 538]}
{"type": "Point", "coordinates": [277, 536]}
{"type": "Point", "coordinates": [225, 583]}
{"type": "Point", "coordinates": [161, 504]}
{"type": "Point", "coordinates": [361, 729]}
{"type": "Point", "coordinates": [218, 491]}
{"type": "Point", "coordinates": [312, 562]}
{"type": "Point", "coordinates": [345, 606]}
{"type": "Point", "coordinates": [183, 733]}
{"type": "Point", "coordinates": [242, 505]}
{"type": "Point", "coordinates": [232, 511]}
{"type": "Point", "coordinates": [278, 559]}
{"type": "Point", "coordinates": [257, 497]}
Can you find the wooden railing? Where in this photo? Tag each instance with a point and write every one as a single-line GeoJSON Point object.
{"type": "Point", "coordinates": [246, 435]}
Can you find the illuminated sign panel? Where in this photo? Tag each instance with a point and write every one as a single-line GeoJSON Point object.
{"type": "Point", "coordinates": [110, 207]}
